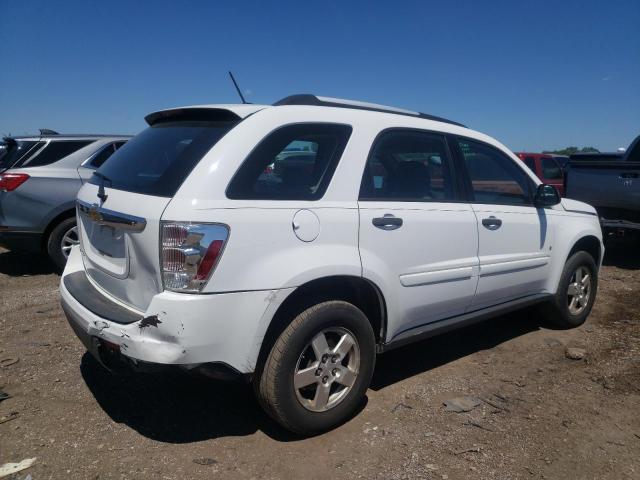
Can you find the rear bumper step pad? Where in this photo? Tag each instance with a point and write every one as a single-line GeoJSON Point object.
{"type": "Point", "coordinates": [90, 298]}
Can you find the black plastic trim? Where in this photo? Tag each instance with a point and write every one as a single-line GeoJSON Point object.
{"type": "Point", "coordinates": [435, 328]}
{"type": "Point", "coordinates": [312, 100]}
{"type": "Point", "coordinates": [90, 298]}
{"type": "Point", "coordinates": [192, 114]}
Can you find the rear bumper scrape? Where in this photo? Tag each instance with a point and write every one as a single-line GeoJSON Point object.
{"type": "Point", "coordinates": [177, 329]}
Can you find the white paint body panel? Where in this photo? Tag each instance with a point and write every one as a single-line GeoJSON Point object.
{"type": "Point", "coordinates": [194, 329]}
{"type": "Point", "coordinates": [442, 262]}
{"type": "Point", "coordinates": [131, 274]}
{"type": "Point", "coordinates": [419, 260]}
{"type": "Point", "coordinates": [514, 258]}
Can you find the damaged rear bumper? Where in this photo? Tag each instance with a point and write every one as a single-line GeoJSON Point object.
{"type": "Point", "coordinates": [207, 332]}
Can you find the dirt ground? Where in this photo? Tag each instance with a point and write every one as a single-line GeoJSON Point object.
{"type": "Point", "coordinates": [542, 415]}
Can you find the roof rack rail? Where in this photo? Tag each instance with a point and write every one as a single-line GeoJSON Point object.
{"type": "Point", "coordinates": [309, 99]}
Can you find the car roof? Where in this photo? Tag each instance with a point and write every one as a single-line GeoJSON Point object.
{"type": "Point", "coordinates": [325, 109]}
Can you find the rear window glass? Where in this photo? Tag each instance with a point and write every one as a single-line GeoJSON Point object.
{"type": "Point", "coordinates": [295, 162]}
{"type": "Point", "coordinates": [550, 169]}
{"type": "Point", "coordinates": [158, 159]}
{"type": "Point", "coordinates": [408, 166]}
{"type": "Point", "coordinates": [54, 151]}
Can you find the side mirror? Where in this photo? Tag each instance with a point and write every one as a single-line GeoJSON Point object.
{"type": "Point", "coordinates": [546, 196]}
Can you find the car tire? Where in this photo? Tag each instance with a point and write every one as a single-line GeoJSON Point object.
{"type": "Point", "coordinates": [575, 296]}
{"type": "Point", "coordinates": [325, 391]}
{"type": "Point", "coordinates": [63, 236]}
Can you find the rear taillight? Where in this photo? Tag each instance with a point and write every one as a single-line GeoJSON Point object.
{"type": "Point", "coordinates": [11, 181]}
{"type": "Point", "coordinates": [190, 253]}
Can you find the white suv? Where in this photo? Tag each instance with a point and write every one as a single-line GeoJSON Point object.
{"type": "Point", "coordinates": [290, 244]}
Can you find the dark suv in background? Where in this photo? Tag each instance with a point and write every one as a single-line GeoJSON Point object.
{"type": "Point", "coordinates": [39, 179]}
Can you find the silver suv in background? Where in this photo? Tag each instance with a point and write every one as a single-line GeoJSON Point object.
{"type": "Point", "coordinates": [39, 179]}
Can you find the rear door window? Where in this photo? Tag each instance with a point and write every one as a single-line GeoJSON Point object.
{"type": "Point", "coordinates": [295, 162]}
{"type": "Point", "coordinates": [158, 159]}
{"type": "Point", "coordinates": [54, 151]}
{"type": "Point", "coordinates": [410, 166]}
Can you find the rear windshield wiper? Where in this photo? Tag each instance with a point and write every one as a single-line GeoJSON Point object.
{"type": "Point", "coordinates": [103, 178]}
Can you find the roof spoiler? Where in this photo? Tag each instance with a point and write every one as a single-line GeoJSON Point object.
{"type": "Point", "coordinates": [193, 115]}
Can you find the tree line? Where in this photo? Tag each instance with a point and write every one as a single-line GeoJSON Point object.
{"type": "Point", "coordinates": [571, 150]}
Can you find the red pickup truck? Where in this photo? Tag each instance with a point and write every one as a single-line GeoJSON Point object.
{"type": "Point", "coordinates": [545, 167]}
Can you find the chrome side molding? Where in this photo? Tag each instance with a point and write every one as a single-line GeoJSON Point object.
{"type": "Point", "coordinates": [110, 218]}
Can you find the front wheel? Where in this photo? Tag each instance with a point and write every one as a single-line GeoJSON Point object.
{"type": "Point", "coordinates": [576, 293]}
{"type": "Point", "coordinates": [319, 368]}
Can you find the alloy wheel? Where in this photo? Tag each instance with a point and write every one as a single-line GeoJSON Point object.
{"type": "Point", "coordinates": [579, 291]}
{"type": "Point", "coordinates": [69, 239]}
{"type": "Point", "coordinates": [327, 369]}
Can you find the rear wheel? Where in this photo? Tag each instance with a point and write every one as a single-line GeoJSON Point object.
{"type": "Point", "coordinates": [319, 368]}
{"type": "Point", "coordinates": [61, 239]}
{"type": "Point", "coordinates": [576, 292]}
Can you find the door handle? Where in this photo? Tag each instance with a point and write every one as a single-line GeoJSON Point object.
{"type": "Point", "coordinates": [387, 222]}
{"type": "Point", "coordinates": [492, 223]}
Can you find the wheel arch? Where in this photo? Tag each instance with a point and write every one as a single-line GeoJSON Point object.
{"type": "Point", "coordinates": [359, 291]}
{"type": "Point", "coordinates": [590, 244]}
{"type": "Point", "coordinates": [59, 217]}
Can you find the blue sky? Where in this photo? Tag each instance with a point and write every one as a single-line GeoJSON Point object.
{"type": "Point", "coordinates": [535, 75]}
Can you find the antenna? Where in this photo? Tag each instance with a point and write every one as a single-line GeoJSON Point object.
{"type": "Point", "coordinates": [235, 84]}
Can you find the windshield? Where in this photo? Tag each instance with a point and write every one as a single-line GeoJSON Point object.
{"type": "Point", "coordinates": [12, 151]}
{"type": "Point", "coordinates": [157, 160]}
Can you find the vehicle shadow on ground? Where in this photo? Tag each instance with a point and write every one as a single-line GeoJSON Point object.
{"type": "Point", "coordinates": [180, 408]}
{"type": "Point", "coordinates": [623, 253]}
{"type": "Point", "coordinates": [176, 407]}
{"type": "Point", "coordinates": [16, 264]}
{"type": "Point", "coordinates": [419, 357]}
